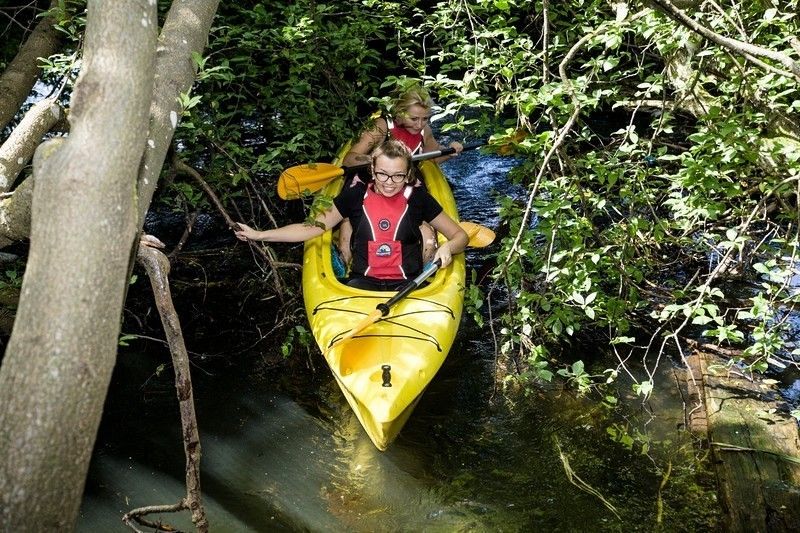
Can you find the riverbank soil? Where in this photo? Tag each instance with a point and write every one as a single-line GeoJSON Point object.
{"type": "Point", "coordinates": [754, 443]}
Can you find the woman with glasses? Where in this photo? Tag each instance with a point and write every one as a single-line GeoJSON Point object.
{"type": "Point", "coordinates": [386, 216]}
{"type": "Point", "coordinates": [408, 123]}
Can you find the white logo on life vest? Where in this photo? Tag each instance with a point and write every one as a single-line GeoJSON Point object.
{"type": "Point", "coordinates": [384, 250]}
{"type": "Point", "coordinates": [384, 224]}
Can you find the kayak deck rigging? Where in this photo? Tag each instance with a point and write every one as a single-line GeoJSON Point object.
{"type": "Point", "coordinates": [392, 319]}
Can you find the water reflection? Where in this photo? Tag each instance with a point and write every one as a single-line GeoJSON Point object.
{"type": "Point", "coordinates": [462, 463]}
{"type": "Point", "coordinates": [267, 465]}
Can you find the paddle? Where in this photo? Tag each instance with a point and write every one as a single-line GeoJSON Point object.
{"type": "Point", "coordinates": [312, 177]}
{"type": "Point", "coordinates": [382, 309]}
{"type": "Point", "coordinates": [479, 236]}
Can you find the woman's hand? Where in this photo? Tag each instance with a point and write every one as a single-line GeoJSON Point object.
{"type": "Point", "coordinates": [345, 235]}
{"type": "Point", "coordinates": [457, 146]}
{"type": "Point", "coordinates": [444, 255]}
{"type": "Point", "coordinates": [245, 232]}
{"type": "Point", "coordinates": [346, 256]}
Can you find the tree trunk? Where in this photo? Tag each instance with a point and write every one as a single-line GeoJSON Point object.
{"type": "Point", "coordinates": [23, 71]}
{"type": "Point", "coordinates": [15, 213]}
{"type": "Point", "coordinates": [58, 363]}
{"type": "Point", "coordinates": [16, 152]}
{"type": "Point", "coordinates": [185, 31]}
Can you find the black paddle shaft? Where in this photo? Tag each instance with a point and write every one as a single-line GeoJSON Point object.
{"type": "Point", "coordinates": [418, 157]}
{"type": "Point", "coordinates": [410, 286]}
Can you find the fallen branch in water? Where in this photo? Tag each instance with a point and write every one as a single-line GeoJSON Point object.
{"type": "Point", "coordinates": [157, 266]}
{"type": "Point", "coordinates": [578, 482]}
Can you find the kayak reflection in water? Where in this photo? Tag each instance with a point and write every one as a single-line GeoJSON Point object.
{"type": "Point", "coordinates": [386, 215]}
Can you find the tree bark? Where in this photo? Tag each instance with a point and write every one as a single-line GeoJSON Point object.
{"type": "Point", "coordinates": [15, 214]}
{"type": "Point", "coordinates": [23, 71]}
{"type": "Point", "coordinates": [16, 152]}
{"type": "Point", "coordinates": [58, 363]}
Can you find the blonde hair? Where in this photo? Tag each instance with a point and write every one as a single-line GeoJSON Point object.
{"type": "Point", "coordinates": [412, 95]}
{"type": "Point", "coordinates": [394, 149]}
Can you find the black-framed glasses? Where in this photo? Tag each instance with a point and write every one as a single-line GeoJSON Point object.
{"type": "Point", "coordinates": [383, 177]}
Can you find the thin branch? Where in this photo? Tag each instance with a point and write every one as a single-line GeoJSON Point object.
{"type": "Point", "coordinates": [182, 167]}
{"type": "Point", "coordinates": [190, 220]}
{"type": "Point", "coordinates": [157, 266]}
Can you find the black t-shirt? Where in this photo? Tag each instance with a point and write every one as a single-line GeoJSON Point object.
{"type": "Point", "coordinates": [422, 207]}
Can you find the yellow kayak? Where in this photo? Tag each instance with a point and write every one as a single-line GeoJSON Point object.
{"type": "Point", "coordinates": [384, 369]}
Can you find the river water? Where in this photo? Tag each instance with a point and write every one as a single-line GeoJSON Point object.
{"type": "Point", "coordinates": [286, 453]}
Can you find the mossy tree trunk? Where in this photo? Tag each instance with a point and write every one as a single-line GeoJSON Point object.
{"type": "Point", "coordinates": [62, 350]}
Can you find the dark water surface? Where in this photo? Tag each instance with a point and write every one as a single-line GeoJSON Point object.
{"type": "Point", "coordinates": [280, 457]}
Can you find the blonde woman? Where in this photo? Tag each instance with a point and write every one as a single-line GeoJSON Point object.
{"type": "Point", "coordinates": [409, 123]}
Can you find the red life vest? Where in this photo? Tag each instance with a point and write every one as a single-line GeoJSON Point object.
{"type": "Point", "coordinates": [384, 216]}
{"type": "Point", "coordinates": [414, 141]}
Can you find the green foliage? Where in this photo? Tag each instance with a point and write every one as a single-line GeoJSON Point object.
{"type": "Point", "coordinates": [649, 214]}
{"type": "Point", "coordinates": [319, 205]}
{"type": "Point", "coordinates": [536, 368]}
{"type": "Point", "coordinates": [295, 336]}
{"type": "Point", "coordinates": [279, 84]}
{"type": "Point", "coordinates": [70, 21]}
{"type": "Point", "coordinates": [124, 339]}
{"type": "Point", "coordinates": [474, 299]}
{"type": "Point", "coordinates": [11, 279]}
{"type": "Point", "coordinates": [70, 18]}
{"type": "Point", "coordinates": [578, 376]}
{"type": "Point", "coordinates": [628, 439]}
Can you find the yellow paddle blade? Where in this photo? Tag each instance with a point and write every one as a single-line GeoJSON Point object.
{"type": "Point", "coordinates": [310, 177]}
{"type": "Point", "coordinates": [479, 236]}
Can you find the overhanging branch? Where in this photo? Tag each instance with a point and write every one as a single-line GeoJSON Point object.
{"type": "Point", "coordinates": [747, 50]}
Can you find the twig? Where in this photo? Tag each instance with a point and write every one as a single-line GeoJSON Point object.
{"type": "Point", "coordinates": [137, 515]}
{"type": "Point", "coordinates": [190, 220]}
{"type": "Point", "coordinates": [573, 478]}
